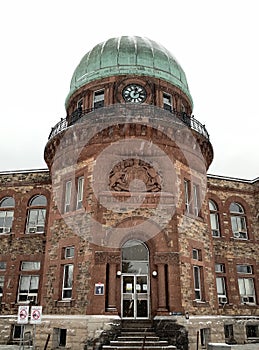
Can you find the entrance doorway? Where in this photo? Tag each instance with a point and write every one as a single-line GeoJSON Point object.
{"type": "Point", "coordinates": [135, 280]}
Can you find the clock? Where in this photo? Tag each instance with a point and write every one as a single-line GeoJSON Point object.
{"type": "Point", "coordinates": [134, 93]}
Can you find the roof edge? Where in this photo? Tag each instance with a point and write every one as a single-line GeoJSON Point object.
{"type": "Point", "coordinates": [229, 178]}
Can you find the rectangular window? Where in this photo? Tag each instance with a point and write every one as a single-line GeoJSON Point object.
{"type": "Point", "coordinates": [252, 331]}
{"type": "Point", "coordinates": [80, 189]}
{"type": "Point", "coordinates": [196, 254]}
{"type": "Point", "coordinates": [196, 200]}
{"type": "Point", "coordinates": [28, 288]}
{"type": "Point", "coordinates": [205, 337]}
{"type": "Point", "coordinates": [17, 332]}
{"type": "Point", "coordinates": [67, 281]}
{"type": "Point", "coordinates": [59, 337]}
{"type": "Point", "coordinates": [2, 265]}
{"type": "Point", "coordinates": [69, 252]}
{"type": "Point", "coordinates": [62, 337]}
{"type": "Point", "coordinates": [246, 290]}
{"type": "Point", "coordinates": [229, 331]}
{"type": "Point", "coordinates": [80, 105]}
{"type": "Point", "coordinates": [214, 222]}
{"type": "Point", "coordinates": [244, 269]}
{"type": "Point", "coordinates": [68, 188]}
{"type": "Point", "coordinates": [197, 282]}
{"type": "Point", "coordinates": [1, 286]}
{"type": "Point", "coordinates": [30, 265]}
{"type": "Point", "coordinates": [221, 290]}
{"type": "Point", "coordinates": [36, 221]}
{"type": "Point", "coordinates": [167, 102]}
{"type": "Point", "coordinates": [6, 221]}
{"type": "Point", "coordinates": [238, 224]}
{"type": "Point", "coordinates": [220, 268]}
{"type": "Point", "coordinates": [187, 196]}
{"type": "Point", "coordinates": [98, 99]}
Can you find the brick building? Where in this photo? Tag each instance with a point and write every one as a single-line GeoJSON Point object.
{"type": "Point", "coordinates": [126, 225]}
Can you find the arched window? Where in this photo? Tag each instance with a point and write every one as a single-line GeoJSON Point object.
{"type": "Point", "coordinates": [214, 219]}
{"type": "Point", "coordinates": [36, 214]}
{"type": "Point", "coordinates": [6, 214]}
{"type": "Point", "coordinates": [238, 220]}
{"type": "Point", "coordinates": [135, 257]}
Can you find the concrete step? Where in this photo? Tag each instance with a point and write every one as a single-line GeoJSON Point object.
{"type": "Point", "coordinates": [129, 347]}
{"type": "Point", "coordinates": [137, 334]}
{"type": "Point", "coordinates": [138, 337]}
{"type": "Point", "coordinates": [138, 343]}
{"type": "Point", "coordinates": [137, 324]}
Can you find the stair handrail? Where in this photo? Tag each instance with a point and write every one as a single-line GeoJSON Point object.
{"type": "Point", "coordinates": [144, 340]}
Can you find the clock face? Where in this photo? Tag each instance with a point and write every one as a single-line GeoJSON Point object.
{"type": "Point", "coordinates": [134, 93]}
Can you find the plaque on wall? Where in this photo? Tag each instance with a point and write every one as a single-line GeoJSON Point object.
{"type": "Point", "coordinates": [99, 289]}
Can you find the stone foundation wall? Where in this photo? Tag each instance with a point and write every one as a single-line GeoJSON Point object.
{"type": "Point", "coordinates": [82, 332]}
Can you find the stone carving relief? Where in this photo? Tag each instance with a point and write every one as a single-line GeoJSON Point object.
{"type": "Point", "coordinates": [134, 175]}
{"type": "Point", "coordinates": [165, 258]}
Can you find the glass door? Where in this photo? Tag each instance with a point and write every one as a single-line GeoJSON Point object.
{"type": "Point", "coordinates": [135, 281]}
{"type": "Point", "coordinates": [135, 296]}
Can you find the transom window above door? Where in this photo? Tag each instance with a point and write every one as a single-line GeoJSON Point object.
{"type": "Point", "coordinates": [135, 257]}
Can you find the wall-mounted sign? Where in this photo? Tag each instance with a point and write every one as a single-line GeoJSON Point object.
{"type": "Point", "coordinates": [23, 314]}
{"type": "Point", "coordinates": [99, 289]}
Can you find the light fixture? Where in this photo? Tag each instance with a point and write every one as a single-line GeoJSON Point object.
{"type": "Point", "coordinates": [118, 273]}
{"type": "Point", "coordinates": [154, 273]}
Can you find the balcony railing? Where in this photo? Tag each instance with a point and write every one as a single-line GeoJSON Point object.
{"type": "Point", "coordinates": [188, 120]}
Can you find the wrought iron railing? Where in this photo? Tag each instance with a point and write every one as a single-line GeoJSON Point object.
{"type": "Point", "coordinates": [188, 120]}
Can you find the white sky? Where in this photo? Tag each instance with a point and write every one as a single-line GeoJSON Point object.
{"type": "Point", "coordinates": [215, 41]}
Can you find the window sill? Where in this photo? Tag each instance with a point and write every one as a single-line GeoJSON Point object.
{"type": "Point", "coordinates": [200, 303]}
{"type": "Point", "coordinates": [240, 239]}
{"type": "Point", "coordinates": [65, 302]}
{"type": "Point", "coordinates": [192, 216]}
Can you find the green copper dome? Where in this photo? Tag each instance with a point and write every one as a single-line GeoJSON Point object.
{"type": "Point", "coordinates": [130, 55]}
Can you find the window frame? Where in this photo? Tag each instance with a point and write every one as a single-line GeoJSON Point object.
{"type": "Point", "coordinates": [33, 268]}
{"type": "Point", "coordinates": [196, 254]}
{"type": "Point", "coordinates": [17, 328]}
{"type": "Point", "coordinates": [80, 192]}
{"type": "Point", "coordinates": [4, 211]}
{"type": "Point", "coordinates": [65, 280]}
{"type": "Point", "coordinates": [222, 285]}
{"type": "Point", "coordinates": [196, 199]}
{"type": "Point", "coordinates": [238, 221]}
{"type": "Point", "coordinates": [59, 337]}
{"type": "Point", "coordinates": [246, 298]}
{"type": "Point", "coordinates": [229, 331]}
{"type": "Point", "coordinates": [33, 295]}
{"type": "Point", "coordinates": [67, 196]}
{"type": "Point", "coordinates": [248, 266]}
{"type": "Point", "coordinates": [2, 280]}
{"type": "Point", "coordinates": [67, 256]}
{"type": "Point", "coordinates": [187, 197]}
{"type": "Point", "coordinates": [215, 231]}
{"type": "Point", "coordinates": [167, 106]}
{"type": "Point", "coordinates": [41, 211]}
{"type": "Point", "coordinates": [79, 104]}
{"type": "Point", "coordinates": [97, 101]}
{"type": "Point", "coordinates": [204, 337]}
{"type": "Point", "coordinates": [198, 287]}
{"type": "Point", "coordinates": [255, 328]}
{"type": "Point", "coordinates": [222, 268]}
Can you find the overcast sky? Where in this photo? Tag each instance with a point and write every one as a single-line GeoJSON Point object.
{"type": "Point", "coordinates": [215, 41]}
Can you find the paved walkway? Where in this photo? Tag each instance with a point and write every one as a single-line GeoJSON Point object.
{"type": "Point", "coordinates": [245, 347]}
